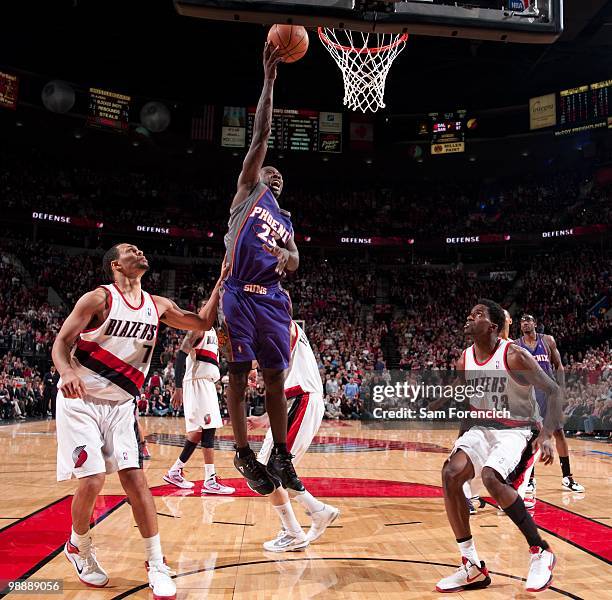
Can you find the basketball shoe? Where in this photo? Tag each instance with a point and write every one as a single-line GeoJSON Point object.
{"type": "Point", "coordinates": [160, 580]}
{"type": "Point", "coordinates": [569, 484]}
{"type": "Point", "coordinates": [86, 564]}
{"type": "Point", "coordinates": [256, 474]}
{"type": "Point", "coordinates": [541, 565]}
{"type": "Point", "coordinates": [213, 486]}
{"type": "Point", "coordinates": [321, 520]}
{"type": "Point", "coordinates": [280, 464]}
{"type": "Point", "coordinates": [146, 455]}
{"type": "Point", "coordinates": [286, 541]}
{"type": "Point", "coordinates": [531, 487]}
{"type": "Point", "coordinates": [467, 577]}
{"type": "Point", "coordinates": [176, 478]}
{"type": "Point", "coordinates": [471, 506]}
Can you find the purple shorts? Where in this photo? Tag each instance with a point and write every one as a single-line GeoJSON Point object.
{"type": "Point", "coordinates": [257, 322]}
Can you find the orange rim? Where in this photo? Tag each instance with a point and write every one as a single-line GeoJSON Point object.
{"type": "Point", "coordinates": [350, 49]}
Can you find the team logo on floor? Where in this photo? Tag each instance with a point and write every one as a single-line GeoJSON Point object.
{"type": "Point", "coordinates": [79, 456]}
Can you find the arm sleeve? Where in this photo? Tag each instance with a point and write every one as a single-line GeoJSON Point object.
{"type": "Point", "coordinates": [179, 368]}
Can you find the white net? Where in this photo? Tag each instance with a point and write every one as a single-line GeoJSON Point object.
{"type": "Point", "coordinates": [365, 60]}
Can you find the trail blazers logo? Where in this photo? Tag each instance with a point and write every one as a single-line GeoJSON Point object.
{"type": "Point", "coordinates": [207, 419]}
{"type": "Point", "coordinates": [79, 456]}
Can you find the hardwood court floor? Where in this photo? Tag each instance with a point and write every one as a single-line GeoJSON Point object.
{"type": "Point", "coordinates": [392, 540]}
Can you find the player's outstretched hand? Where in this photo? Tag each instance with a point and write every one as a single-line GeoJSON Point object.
{"type": "Point", "coordinates": [177, 398]}
{"type": "Point", "coordinates": [72, 386]}
{"type": "Point", "coordinates": [271, 59]}
{"type": "Point", "coordinates": [282, 255]}
{"type": "Point", "coordinates": [545, 444]}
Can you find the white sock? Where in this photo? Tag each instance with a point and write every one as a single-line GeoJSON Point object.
{"type": "Point", "coordinates": [209, 471]}
{"type": "Point", "coordinates": [467, 490]}
{"type": "Point", "coordinates": [468, 549]}
{"type": "Point", "coordinates": [153, 549]}
{"type": "Point", "coordinates": [287, 517]}
{"type": "Point", "coordinates": [179, 464]}
{"type": "Point", "coordinates": [309, 502]}
{"type": "Point", "coordinates": [80, 541]}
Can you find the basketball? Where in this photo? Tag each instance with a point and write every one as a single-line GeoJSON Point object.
{"type": "Point", "coordinates": [292, 41]}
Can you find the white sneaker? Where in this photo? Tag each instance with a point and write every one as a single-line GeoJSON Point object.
{"type": "Point", "coordinates": [530, 502]}
{"type": "Point", "coordinates": [286, 542]}
{"type": "Point", "coordinates": [214, 486]}
{"type": "Point", "coordinates": [321, 520]}
{"type": "Point", "coordinates": [531, 488]}
{"type": "Point", "coordinates": [160, 581]}
{"type": "Point", "coordinates": [467, 577]}
{"type": "Point", "coordinates": [176, 478]}
{"type": "Point", "coordinates": [569, 484]}
{"type": "Point", "coordinates": [541, 564]}
{"type": "Point", "coordinates": [87, 567]}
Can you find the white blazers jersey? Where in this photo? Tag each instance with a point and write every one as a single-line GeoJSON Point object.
{"type": "Point", "coordinates": [113, 359]}
{"type": "Point", "coordinates": [203, 360]}
{"type": "Point", "coordinates": [303, 376]}
{"type": "Point", "coordinates": [502, 389]}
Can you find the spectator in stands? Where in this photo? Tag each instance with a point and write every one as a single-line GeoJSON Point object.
{"type": "Point", "coordinates": [159, 406]}
{"type": "Point", "coordinates": [156, 382]}
{"type": "Point", "coordinates": [332, 410]}
{"type": "Point", "coordinates": [351, 390]}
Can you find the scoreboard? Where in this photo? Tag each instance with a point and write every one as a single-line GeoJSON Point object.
{"type": "Point", "coordinates": [9, 85]}
{"type": "Point", "coordinates": [448, 132]}
{"type": "Point", "coordinates": [584, 108]}
{"type": "Point", "coordinates": [108, 110]}
{"type": "Point", "coordinates": [291, 129]}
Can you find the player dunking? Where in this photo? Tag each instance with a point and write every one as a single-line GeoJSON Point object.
{"type": "Point", "coordinates": [544, 349]}
{"type": "Point", "coordinates": [493, 451]}
{"type": "Point", "coordinates": [255, 309]}
{"type": "Point", "coordinates": [196, 372]}
{"type": "Point", "coordinates": [304, 392]}
{"type": "Point", "coordinates": [102, 353]}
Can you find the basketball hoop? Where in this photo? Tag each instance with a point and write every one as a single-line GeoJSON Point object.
{"type": "Point", "coordinates": [365, 60]}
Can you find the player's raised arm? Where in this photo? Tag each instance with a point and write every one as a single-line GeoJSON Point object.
{"type": "Point", "coordinates": [88, 311]}
{"type": "Point", "coordinates": [262, 127]}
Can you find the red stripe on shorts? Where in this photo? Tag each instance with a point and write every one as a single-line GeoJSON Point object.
{"type": "Point", "coordinates": [297, 422]}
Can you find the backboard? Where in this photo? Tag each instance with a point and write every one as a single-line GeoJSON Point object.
{"type": "Point", "coordinates": [524, 21]}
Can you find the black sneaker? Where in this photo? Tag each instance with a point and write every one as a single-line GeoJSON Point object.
{"type": "Point", "coordinates": [281, 466]}
{"type": "Point", "coordinates": [256, 474]}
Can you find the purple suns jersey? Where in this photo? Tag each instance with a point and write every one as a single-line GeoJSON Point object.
{"type": "Point", "coordinates": [256, 222]}
{"type": "Point", "coordinates": [540, 353]}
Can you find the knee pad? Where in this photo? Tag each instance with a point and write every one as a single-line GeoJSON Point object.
{"type": "Point", "coordinates": [208, 438]}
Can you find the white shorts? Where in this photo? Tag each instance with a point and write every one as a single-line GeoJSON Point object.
{"type": "Point", "coordinates": [500, 449]}
{"type": "Point", "coordinates": [201, 405]}
{"type": "Point", "coordinates": [305, 416]}
{"type": "Point", "coordinates": [95, 436]}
